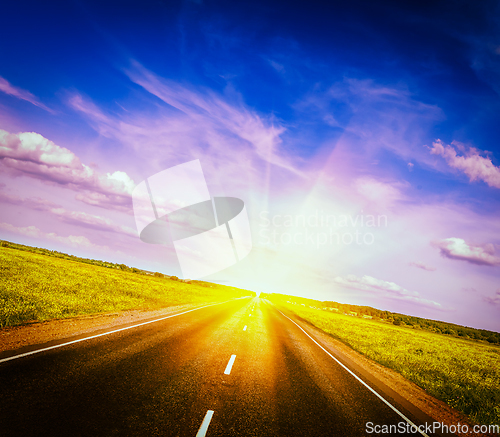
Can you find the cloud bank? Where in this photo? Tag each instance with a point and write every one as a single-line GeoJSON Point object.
{"type": "Point", "coordinates": [30, 154]}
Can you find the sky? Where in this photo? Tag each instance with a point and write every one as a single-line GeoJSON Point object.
{"type": "Point", "coordinates": [362, 137]}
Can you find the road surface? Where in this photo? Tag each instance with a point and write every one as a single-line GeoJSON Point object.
{"type": "Point", "coordinates": [240, 368]}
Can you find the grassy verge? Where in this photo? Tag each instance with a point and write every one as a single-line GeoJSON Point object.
{"type": "Point", "coordinates": [38, 287]}
{"type": "Point", "coordinates": [463, 373]}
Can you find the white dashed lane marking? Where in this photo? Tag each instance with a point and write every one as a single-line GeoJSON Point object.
{"type": "Point", "coordinates": [204, 425]}
{"type": "Point", "coordinates": [230, 365]}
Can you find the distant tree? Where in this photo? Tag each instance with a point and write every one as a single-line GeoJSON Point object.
{"type": "Point", "coordinates": [174, 278]}
{"type": "Point", "coordinates": [159, 275]}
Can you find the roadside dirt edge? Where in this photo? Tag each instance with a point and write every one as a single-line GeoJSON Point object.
{"type": "Point", "coordinates": [16, 337]}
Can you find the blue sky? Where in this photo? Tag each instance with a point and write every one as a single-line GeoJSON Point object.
{"type": "Point", "coordinates": [351, 109]}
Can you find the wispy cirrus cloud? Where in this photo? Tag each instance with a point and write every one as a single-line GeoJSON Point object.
{"type": "Point", "coordinates": [78, 218]}
{"type": "Point", "coordinates": [104, 124]}
{"type": "Point", "coordinates": [30, 154]}
{"type": "Point", "coordinates": [91, 221]}
{"type": "Point", "coordinates": [32, 231]}
{"type": "Point", "coordinates": [370, 116]}
{"type": "Point", "coordinates": [494, 300]}
{"type": "Point", "coordinates": [385, 288]}
{"type": "Point", "coordinates": [475, 166]}
{"type": "Point", "coordinates": [35, 203]}
{"type": "Point", "coordinates": [458, 249]}
{"type": "Point", "coordinates": [379, 192]}
{"type": "Point", "coordinates": [421, 265]}
{"type": "Point", "coordinates": [216, 119]}
{"type": "Point", "coordinates": [11, 90]}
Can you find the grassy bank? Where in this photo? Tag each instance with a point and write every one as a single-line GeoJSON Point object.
{"type": "Point", "coordinates": [463, 373]}
{"type": "Point", "coordinates": [35, 286]}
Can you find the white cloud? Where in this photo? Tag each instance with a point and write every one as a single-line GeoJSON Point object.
{"type": "Point", "coordinates": [34, 148]}
{"type": "Point", "coordinates": [385, 288]}
{"type": "Point", "coordinates": [31, 154]}
{"type": "Point", "coordinates": [456, 248]}
{"type": "Point", "coordinates": [471, 163]}
{"type": "Point", "coordinates": [11, 90]}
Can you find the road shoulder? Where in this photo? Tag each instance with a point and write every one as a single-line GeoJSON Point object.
{"type": "Point", "coordinates": [17, 337]}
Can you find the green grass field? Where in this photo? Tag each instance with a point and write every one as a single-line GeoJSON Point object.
{"type": "Point", "coordinates": [40, 287]}
{"type": "Point", "coordinates": [463, 373]}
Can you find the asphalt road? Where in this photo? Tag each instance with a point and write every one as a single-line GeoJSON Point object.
{"type": "Point", "coordinates": [241, 368]}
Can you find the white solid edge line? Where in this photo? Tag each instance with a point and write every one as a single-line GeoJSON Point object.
{"type": "Point", "coordinates": [230, 365]}
{"type": "Point", "coordinates": [360, 380]}
{"type": "Point", "coordinates": [204, 425]}
{"type": "Point", "coordinates": [245, 328]}
{"type": "Point", "coordinates": [3, 360]}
